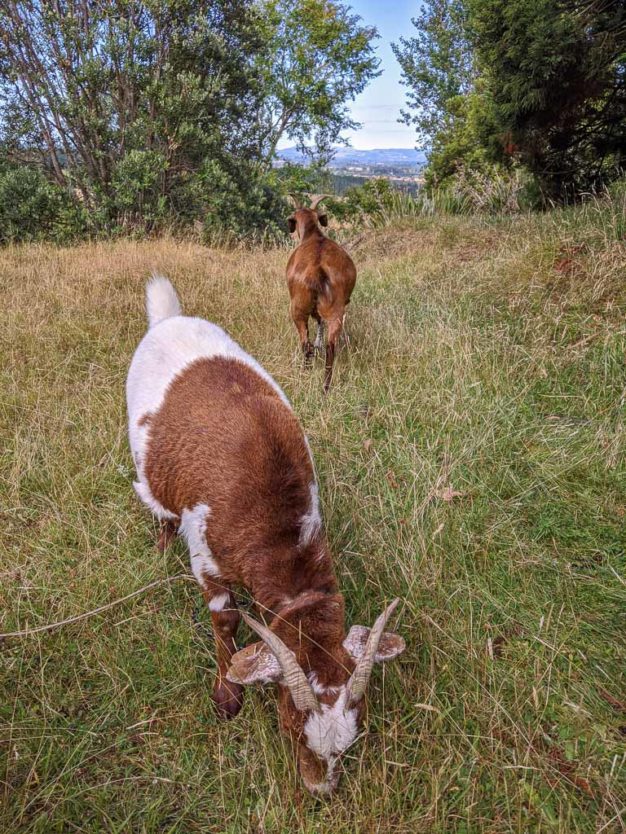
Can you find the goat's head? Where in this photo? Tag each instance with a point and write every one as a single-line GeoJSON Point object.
{"type": "Point", "coordinates": [320, 709]}
{"type": "Point", "coordinates": [303, 219]}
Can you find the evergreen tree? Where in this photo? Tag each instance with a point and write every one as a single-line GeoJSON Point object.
{"type": "Point", "coordinates": [556, 70]}
{"type": "Point", "coordinates": [536, 82]}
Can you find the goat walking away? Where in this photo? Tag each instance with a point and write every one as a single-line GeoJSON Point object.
{"type": "Point", "coordinates": [320, 277]}
{"type": "Point", "coordinates": [222, 460]}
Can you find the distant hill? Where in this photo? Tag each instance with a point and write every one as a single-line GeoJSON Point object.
{"type": "Point", "coordinates": [378, 158]}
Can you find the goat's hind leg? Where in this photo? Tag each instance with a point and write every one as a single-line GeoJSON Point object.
{"type": "Point", "coordinates": [302, 326]}
{"type": "Point", "coordinates": [318, 344]}
{"type": "Point", "coordinates": [167, 534]}
{"type": "Point", "coordinates": [334, 331]}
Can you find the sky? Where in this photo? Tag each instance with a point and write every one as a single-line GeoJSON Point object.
{"type": "Point", "coordinates": [378, 106]}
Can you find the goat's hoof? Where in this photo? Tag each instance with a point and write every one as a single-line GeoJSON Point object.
{"type": "Point", "coordinates": [228, 699]}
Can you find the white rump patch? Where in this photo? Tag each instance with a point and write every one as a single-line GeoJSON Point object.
{"type": "Point", "coordinates": [193, 529]}
{"type": "Point", "coordinates": [311, 522]}
{"type": "Point", "coordinates": [330, 732]}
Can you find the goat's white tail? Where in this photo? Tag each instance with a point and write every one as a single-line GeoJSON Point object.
{"type": "Point", "coordinates": [161, 300]}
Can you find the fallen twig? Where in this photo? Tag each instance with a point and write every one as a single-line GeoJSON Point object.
{"type": "Point", "coordinates": [30, 631]}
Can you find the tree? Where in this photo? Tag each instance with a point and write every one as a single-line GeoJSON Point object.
{"type": "Point", "coordinates": [536, 82]}
{"type": "Point", "coordinates": [447, 102]}
{"type": "Point", "coordinates": [170, 110]}
{"type": "Point", "coordinates": [320, 58]}
{"type": "Point", "coordinates": [437, 68]}
{"type": "Point", "coordinates": [556, 71]}
{"type": "Point", "coordinates": [144, 88]}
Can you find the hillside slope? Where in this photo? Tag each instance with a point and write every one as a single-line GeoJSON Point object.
{"type": "Point", "coordinates": [471, 459]}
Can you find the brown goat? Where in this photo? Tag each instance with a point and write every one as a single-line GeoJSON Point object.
{"type": "Point", "coordinates": [320, 276]}
{"type": "Point", "coordinates": [222, 460]}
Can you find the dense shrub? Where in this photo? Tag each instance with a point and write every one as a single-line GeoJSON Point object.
{"type": "Point", "coordinates": [32, 208]}
{"type": "Point", "coordinates": [489, 190]}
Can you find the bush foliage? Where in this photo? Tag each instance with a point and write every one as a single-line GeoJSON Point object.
{"type": "Point", "coordinates": [152, 115]}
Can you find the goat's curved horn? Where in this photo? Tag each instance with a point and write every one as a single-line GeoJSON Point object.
{"type": "Point", "coordinates": [297, 202]}
{"type": "Point", "coordinates": [316, 199]}
{"type": "Point", "coordinates": [293, 676]}
{"type": "Point", "coordinates": [360, 677]}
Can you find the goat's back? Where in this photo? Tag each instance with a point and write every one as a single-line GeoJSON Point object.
{"type": "Point", "coordinates": [209, 426]}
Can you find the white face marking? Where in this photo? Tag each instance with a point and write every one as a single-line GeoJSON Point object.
{"type": "Point", "coordinates": [311, 522]}
{"type": "Point", "coordinates": [193, 529]}
{"type": "Point", "coordinates": [319, 688]}
{"type": "Point", "coordinates": [164, 352]}
{"type": "Point", "coordinates": [219, 602]}
{"type": "Point", "coordinates": [330, 732]}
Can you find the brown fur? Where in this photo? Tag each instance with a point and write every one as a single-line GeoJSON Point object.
{"type": "Point", "coordinates": [223, 437]}
{"type": "Point", "coordinates": [320, 277]}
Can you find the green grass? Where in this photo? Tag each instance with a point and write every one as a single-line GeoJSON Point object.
{"type": "Point", "coordinates": [485, 356]}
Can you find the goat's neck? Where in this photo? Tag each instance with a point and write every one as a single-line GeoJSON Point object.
{"type": "Point", "coordinates": [309, 229]}
{"type": "Point", "coordinates": [301, 574]}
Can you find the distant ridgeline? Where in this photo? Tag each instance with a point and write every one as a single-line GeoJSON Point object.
{"type": "Point", "coordinates": [350, 167]}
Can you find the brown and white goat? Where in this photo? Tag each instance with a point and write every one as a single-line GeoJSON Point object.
{"type": "Point", "coordinates": [222, 459]}
{"type": "Point", "coordinates": [320, 277]}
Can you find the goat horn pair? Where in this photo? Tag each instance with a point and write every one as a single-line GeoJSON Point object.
{"type": "Point", "coordinates": [297, 202]}
{"type": "Point", "coordinates": [316, 199]}
{"type": "Point", "coordinates": [293, 675]}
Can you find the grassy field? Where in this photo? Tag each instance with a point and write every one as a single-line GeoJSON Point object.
{"type": "Point", "coordinates": [471, 459]}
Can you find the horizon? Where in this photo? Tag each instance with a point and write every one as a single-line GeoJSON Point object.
{"type": "Point", "coordinates": [338, 147]}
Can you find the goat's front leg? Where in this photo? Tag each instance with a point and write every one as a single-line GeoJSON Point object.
{"type": "Point", "coordinates": [227, 696]}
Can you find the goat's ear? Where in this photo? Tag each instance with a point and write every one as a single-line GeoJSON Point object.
{"type": "Point", "coordinates": [254, 664]}
{"type": "Point", "coordinates": [323, 218]}
{"type": "Point", "coordinates": [390, 646]}
{"type": "Point", "coordinates": [291, 223]}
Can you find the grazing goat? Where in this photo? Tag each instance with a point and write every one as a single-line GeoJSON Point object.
{"type": "Point", "coordinates": [222, 460]}
{"type": "Point", "coordinates": [320, 276]}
